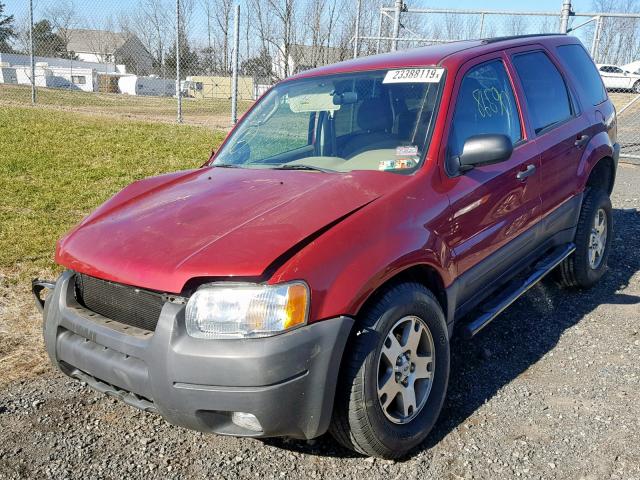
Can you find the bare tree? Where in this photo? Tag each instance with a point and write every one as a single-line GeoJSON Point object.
{"type": "Point", "coordinates": [285, 33]}
{"type": "Point", "coordinates": [153, 25]}
{"type": "Point", "coordinates": [517, 25]}
{"type": "Point", "coordinates": [224, 10]}
{"type": "Point", "coordinates": [63, 18]}
{"type": "Point", "coordinates": [210, 51]}
{"type": "Point", "coordinates": [619, 37]}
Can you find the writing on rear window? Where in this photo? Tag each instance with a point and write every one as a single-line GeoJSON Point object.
{"type": "Point", "coordinates": [414, 75]}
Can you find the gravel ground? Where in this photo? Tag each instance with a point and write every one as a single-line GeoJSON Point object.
{"type": "Point", "coordinates": [549, 390]}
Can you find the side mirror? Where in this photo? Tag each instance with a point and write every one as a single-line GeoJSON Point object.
{"type": "Point", "coordinates": [484, 150]}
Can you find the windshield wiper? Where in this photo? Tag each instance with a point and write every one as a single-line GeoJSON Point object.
{"type": "Point", "coordinates": [225, 165]}
{"type": "Point", "coordinates": [299, 166]}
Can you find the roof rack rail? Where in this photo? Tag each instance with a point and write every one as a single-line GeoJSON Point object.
{"type": "Point", "coordinates": [515, 37]}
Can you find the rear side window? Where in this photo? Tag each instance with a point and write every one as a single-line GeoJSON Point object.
{"type": "Point", "coordinates": [544, 89]}
{"type": "Point", "coordinates": [579, 63]}
{"type": "Point", "coordinates": [485, 104]}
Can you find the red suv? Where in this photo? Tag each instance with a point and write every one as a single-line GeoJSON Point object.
{"type": "Point", "coordinates": [310, 276]}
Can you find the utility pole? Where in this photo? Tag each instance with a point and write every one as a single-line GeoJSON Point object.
{"type": "Point", "coordinates": [356, 37]}
{"type": "Point", "coordinates": [396, 24]}
{"type": "Point", "coordinates": [178, 89]}
{"type": "Point", "coordinates": [596, 39]}
{"type": "Point", "coordinates": [33, 58]}
{"type": "Point", "coordinates": [234, 79]}
{"type": "Point", "coordinates": [564, 16]}
{"type": "Point", "coordinates": [379, 31]}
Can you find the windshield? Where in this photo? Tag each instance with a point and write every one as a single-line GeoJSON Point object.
{"type": "Point", "coordinates": [359, 121]}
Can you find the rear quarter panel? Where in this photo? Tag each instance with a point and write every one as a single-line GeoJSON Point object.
{"type": "Point", "coordinates": [600, 122]}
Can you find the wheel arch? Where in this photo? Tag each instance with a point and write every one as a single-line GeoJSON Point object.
{"type": "Point", "coordinates": [422, 273]}
{"type": "Point", "coordinates": [602, 174]}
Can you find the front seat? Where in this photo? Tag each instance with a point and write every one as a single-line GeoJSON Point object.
{"type": "Point", "coordinates": [375, 119]}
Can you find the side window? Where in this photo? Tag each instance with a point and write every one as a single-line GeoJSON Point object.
{"type": "Point", "coordinates": [544, 89]}
{"type": "Point", "coordinates": [485, 104]}
{"type": "Point", "coordinates": [579, 63]}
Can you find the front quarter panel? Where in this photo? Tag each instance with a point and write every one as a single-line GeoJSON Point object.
{"type": "Point", "coordinates": [349, 262]}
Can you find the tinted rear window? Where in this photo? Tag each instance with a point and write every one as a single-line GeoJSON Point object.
{"type": "Point", "coordinates": [544, 89]}
{"type": "Point", "coordinates": [578, 62]}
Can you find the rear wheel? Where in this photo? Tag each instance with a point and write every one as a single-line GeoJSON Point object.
{"type": "Point", "coordinates": [394, 376]}
{"type": "Point", "coordinates": [588, 263]}
{"type": "Point", "coordinates": [636, 87]}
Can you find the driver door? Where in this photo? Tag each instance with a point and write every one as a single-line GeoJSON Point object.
{"type": "Point", "coordinates": [495, 207]}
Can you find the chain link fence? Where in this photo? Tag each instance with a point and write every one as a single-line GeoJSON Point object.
{"type": "Point", "coordinates": [206, 61]}
{"type": "Point", "coordinates": [613, 39]}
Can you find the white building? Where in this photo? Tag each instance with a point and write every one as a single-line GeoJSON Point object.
{"type": "Point", "coordinates": [84, 79]}
{"type": "Point", "coordinates": [17, 60]}
{"type": "Point", "coordinates": [147, 86]}
{"type": "Point", "coordinates": [7, 73]}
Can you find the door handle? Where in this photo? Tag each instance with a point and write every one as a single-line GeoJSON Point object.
{"type": "Point", "coordinates": [582, 140]}
{"type": "Point", "coordinates": [526, 173]}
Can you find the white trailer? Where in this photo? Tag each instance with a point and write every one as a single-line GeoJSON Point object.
{"type": "Point", "coordinates": [84, 79]}
{"type": "Point", "coordinates": [23, 75]}
{"type": "Point", "coordinates": [7, 74]}
{"type": "Point", "coordinates": [151, 86]}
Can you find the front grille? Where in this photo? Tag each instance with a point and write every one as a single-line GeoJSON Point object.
{"type": "Point", "coordinates": [120, 303]}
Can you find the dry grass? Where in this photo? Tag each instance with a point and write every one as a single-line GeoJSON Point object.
{"type": "Point", "coordinates": [212, 113]}
{"type": "Point", "coordinates": [620, 99]}
{"type": "Point", "coordinates": [55, 167]}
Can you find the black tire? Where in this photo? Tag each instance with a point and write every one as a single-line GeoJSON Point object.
{"type": "Point", "coordinates": [575, 270]}
{"type": "Point", "coordinates": [359, 422]}
{"type": "Point", "coordinates": [636, 87]}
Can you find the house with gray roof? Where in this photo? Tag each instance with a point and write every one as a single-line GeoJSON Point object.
{"type": "Point", "coordinates": [103, 46]}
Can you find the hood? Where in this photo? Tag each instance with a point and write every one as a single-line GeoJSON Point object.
{"type": "Point", "coordinates": [160, 232]}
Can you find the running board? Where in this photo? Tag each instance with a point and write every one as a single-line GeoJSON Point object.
{"type": "Point", "coordinates": [515, 290]}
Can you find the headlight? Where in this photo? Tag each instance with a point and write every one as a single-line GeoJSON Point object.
{"type": "Point", "coordinates": [226, 310]}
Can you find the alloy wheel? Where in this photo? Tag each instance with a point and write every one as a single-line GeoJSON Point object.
{"type": "Point", "coordinates": [598, 239]}
{"type": "Point", "coordinates": [405, 369]}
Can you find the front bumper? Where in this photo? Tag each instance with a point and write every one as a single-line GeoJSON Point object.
{"type": "Point", "coordinates": [287, 381]}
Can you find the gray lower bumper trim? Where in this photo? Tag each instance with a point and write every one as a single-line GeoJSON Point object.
{"type": "Point", "coordinates": [287, 381]}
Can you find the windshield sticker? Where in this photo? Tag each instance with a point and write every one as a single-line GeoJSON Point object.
{"type": "Point", "coordinates": [407, 151]}
{"type": "Point", "coordinates": [398, 164]}
{"type": "Point", "coordinates": [414, 75]}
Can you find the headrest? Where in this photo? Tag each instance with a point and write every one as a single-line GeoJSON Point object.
{"type": "Point", "coordinates": [374, 115]}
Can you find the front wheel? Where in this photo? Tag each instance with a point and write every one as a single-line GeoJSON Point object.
{"type": "Point", "coordinates": [636, 87]}
{"type": "Point", "coordinates": [394, 375]}
{"type": "Point", "coordinates": [588, 263]}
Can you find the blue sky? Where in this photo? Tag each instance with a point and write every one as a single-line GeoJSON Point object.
{"type": "Point", "coordinates": [108, 8]}
{"type": "Point", "coordinates": [95, 13]}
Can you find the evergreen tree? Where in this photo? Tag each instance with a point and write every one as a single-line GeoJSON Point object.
{"type": "Point", "coordinates": [45, 42]}
{"type": "Point", "coordinates": [188, 58]}
{"type": "Point", "coordinates": [258, 67]}
{"type": "Point", "coordinates": [7, 30]}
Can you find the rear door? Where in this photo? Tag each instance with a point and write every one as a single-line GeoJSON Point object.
{"type": "Point", "coordinates": [494, 207]}
{"type": "Point", "coordinates": [559, 131]}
